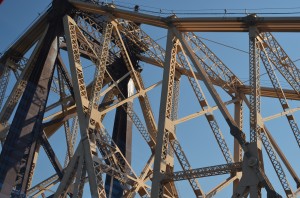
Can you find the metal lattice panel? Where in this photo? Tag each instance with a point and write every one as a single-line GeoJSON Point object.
{"type": "Point", "coordinates": [79, 78]}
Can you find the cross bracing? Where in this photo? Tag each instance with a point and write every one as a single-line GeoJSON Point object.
{"type": "Point", "coordinates": [99, 152]}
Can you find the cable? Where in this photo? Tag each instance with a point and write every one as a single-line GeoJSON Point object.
{"type": "Point", "coordinates": [240, 50]}
{"type": "Point", "coordinates": [228, 47]}
{"type": "Point", "coordinates": [88, 66]}
{"type": "Point", "coordinates": [163, 38]}
{"type": "Point", "coordinates": [231, 47]}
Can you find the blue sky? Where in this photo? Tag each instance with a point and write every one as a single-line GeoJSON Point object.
{"type": "Point", "coordinates": [195, 136]}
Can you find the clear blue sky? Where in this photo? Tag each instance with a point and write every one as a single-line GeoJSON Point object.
{"type": "Point", "coordinates": [195, 136]}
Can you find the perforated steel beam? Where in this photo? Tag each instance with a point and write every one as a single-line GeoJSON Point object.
{"type": "Point", "coordinates": [254, 170]}
{"type": "Point", "coordinates": [204, 172]}
{"type": "Point", "coordinates": [113, 161]}
{"type": "Point", "coordinates": [196, 24]}
{"type": "Point", "coordinates": [162, 160]}
{"type": "Point", "coordinates": [81, 99]}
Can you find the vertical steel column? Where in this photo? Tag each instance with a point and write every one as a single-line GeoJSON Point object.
{"type": "Point", "coordinates": [254, 76]}
{"type": "Point", "coordinates": [130, 92]}
{"type": "Point", "coordinates": [165, 126]}
{"type": "Point", "coordinates": [17, 156]}
{"type": "Point", "coordinates": [238, 155]}
{"type": "Point", "coordinates": [122, 136]}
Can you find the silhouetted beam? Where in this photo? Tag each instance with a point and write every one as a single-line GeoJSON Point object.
{"type": "Point", "coordinates": [51, 155]}
{"type": "Point", "coordinates": [197, 24]}
{"type": "Point", "coordinates": [18, 151]}
{"type": "Point", "coordinates": [67, 78]}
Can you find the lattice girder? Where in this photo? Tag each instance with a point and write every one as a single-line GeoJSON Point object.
{"type": "Point", "coordinates": [114, 42]}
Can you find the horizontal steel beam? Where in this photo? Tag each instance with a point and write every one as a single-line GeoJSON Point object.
{"type": "Point", "coordinates": [197, 24]}
{"type": "Point", "coordinates": [204, 172]}
{"type": "Point", "coordinates": [270, 92]}
{"type": "Point", "coordinates": [190, 24]}
{"type": "Point", "coordinates": [245, 89]}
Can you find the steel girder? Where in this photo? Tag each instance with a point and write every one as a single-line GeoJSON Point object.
{"type": "Point", "coordinates": [111, 40]}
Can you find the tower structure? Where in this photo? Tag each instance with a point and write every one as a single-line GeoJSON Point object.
{"type": "Point", "coordinates": [112, 39]}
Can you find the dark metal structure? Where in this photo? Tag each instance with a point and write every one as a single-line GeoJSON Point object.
{"type": "Point", "coordinates": [112, 39]}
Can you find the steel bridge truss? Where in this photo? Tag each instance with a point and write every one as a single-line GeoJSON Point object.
{"type": "Point", "coordinates": [112, 40]}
